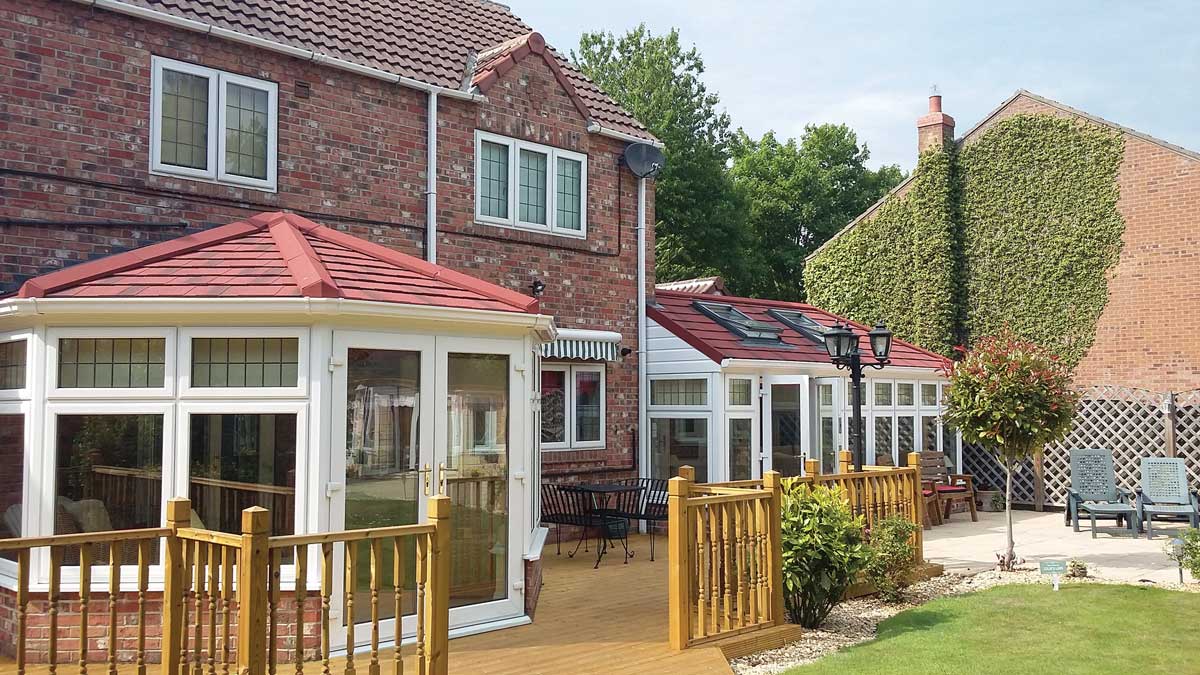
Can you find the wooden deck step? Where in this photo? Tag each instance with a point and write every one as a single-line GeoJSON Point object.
{"type": "Point", "coordinates": [760, 640]}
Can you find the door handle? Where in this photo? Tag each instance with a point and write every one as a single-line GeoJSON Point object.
{"type": "Point", "coordinates": [442, 478]}
{"type": "Point", "coordinates": [426, 471]}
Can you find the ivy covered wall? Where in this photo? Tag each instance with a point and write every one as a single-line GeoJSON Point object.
{"type": "Point", "coordinates": [1017, 228]}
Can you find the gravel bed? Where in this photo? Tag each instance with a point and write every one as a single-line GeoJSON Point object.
{"type": "Point", "coordinates": [855, 621]}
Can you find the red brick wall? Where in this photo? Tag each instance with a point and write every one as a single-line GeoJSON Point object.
{"type": "Point", "coordinates": [1149, 334]}
{"type": "Point", "coordinates": [74, 135]}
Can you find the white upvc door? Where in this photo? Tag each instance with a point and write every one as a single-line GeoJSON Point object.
{"type": "Point", "coordinates": [381, 456]}
{"type": "Point", "coordinates": [785, 423]}
{"type": "Point", "coordinates": [416, 416]}
{"type": "Point", "coordinates": [827, 431]}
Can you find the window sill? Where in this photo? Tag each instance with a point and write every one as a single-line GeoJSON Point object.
{"type": "Point", "coordinates": [163, 173]}
{"type": "Point", "coordinates": [558, 234]}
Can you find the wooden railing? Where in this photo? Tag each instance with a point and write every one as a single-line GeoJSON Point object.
{"type": "Point", "coordinates": [224, 601]}
{"type": "Point", "coordinates": [726, 574]}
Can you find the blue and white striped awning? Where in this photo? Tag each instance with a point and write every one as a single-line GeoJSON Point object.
{"type": "Point", "coordinates": [587, 345]}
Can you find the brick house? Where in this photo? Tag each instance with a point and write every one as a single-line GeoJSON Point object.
{"type": "Point", "coordinates": [443, 131]}
{"type": "Point", "coordinates": [1140, 374]}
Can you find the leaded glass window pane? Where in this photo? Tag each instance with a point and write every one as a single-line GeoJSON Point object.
{"type": "Point", "coordinates": [929, 395]}
{"type": "Point", "coordinates": [739, 392]}
{"type": "Point", "coordinates": [904, 393]}
{"type": "Point", "coordinates": [106, 363]}
{"type": "Point", "coordinates": [12, 364]}
{"type": "Point", "coordinates": [569, 204]}
{"type": "Point", "coordinates": [184, 120]}
{"type": "Point", "coordinates": [883, 393]}
{"type": "Point", "coordinates": [533, 187]}
{"type": "Point", "coordinates": [246, 131]}
{"type": "Point", "coordinates": [245, 362]}
{"type": "Point", "coordinates": [493, 179]}
{"type": "Point", "coordinates": [679, 392]}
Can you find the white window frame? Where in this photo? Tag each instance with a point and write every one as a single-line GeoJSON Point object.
{"type": "Point", "coordinates": [240, 406]}
{"type": "Point", "coordinates": [8, 568]}
{"type": "Point", "coordinates": [44, 474]}
{"type": "Point", "coordinates": [515, 146]}
{"type": "Point", "coordinates": [217, 81]}
{"type": "Point", "coordinates": [55, 392]}
{"type": "Point", "coordinates": [727, 447]}
{"type": "Point", "coordinates": [26, 391]}
{"type": "Point", "coordinates": [569, 370]}
{"type": "Point", "coordinates": [729, 379]}
{"type": "Point", "coordinates": [685, 414]}
{"type": "Point", "coordinates": [186, 390]}
{"type": "Point", "coordinates": [708, 392]}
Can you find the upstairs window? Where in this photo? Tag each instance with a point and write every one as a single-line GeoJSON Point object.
{"type": "Point", "coordinates": [530, 186]}
{"type": "Point", "coordinates": [213, 125]}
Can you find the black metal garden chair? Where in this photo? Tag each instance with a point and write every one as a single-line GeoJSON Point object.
{"type": "Point", "coordinates": [651, 504]}
{"type": "Point", "coordinates": [567, 505]}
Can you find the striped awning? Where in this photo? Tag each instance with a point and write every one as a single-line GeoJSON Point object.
{"type": "Point", "coordinates": [587, 345]}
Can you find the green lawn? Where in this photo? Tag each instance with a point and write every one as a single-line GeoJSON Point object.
{"type": "Point", "coordinates": [1084, 629]}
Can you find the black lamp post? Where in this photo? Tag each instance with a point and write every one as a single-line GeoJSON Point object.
{"type": "Point", "coordinates": [842, 345]}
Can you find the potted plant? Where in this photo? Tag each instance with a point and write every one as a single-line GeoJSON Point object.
{"type": "Point", "coordinates": [989, 498]}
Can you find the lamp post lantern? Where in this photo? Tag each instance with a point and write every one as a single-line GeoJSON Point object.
{"type": "Point", "coordinates": [842, 345]}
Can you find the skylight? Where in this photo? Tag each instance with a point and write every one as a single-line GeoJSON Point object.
{"type": "Point", "coordinates": [801, 323]}
{"type": "Point", "coordinates": [739, 324]}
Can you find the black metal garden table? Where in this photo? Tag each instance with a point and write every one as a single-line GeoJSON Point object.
{"type": "Point", "coordinates": [612, 505]}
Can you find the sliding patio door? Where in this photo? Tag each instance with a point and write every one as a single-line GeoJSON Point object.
{"type": "Point", "coordinates": [416, 416]}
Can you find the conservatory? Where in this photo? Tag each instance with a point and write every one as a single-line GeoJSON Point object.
{"type": "Point", "coordinates": [279, 363]}
{"type": "Point", "coordinates": [740, 386]}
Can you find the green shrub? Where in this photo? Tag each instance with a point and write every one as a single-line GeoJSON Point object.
{"type": "Point", "coordinates": [1189, 558]}
{"type": "Point", "coordinates": [822, 550]}
{"type": "Point", "coordinates": [891, 556]}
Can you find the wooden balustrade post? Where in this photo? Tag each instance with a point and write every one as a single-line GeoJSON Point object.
{"type": "Point", "coordinates": [918, 497]}
{"type": "Point", "coordinates": [679, 566]}
{"type": "Point", "coordinates": [688, 472]}
{"type": "Point", "coordinates": [773, 482]}
{"type": "Point", "coordinates": [253, 574]}
{"type": "Point", "coordinates": [437, 598]}
{"type": "Point", "coordinates": [179, 514]}
{"type": "Point", "coordinates": [812, 467]}
{"type": "Point", "coordinates": [845, 461]}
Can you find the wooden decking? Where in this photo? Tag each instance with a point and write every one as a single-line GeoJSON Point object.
{"type": "Point", "coordinates": [609, 620]}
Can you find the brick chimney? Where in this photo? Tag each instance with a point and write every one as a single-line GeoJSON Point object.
{"type": "Point", "coordinates": [936, 128]}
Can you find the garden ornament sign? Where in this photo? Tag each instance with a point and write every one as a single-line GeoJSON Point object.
{"type": "Point", "coordinates": [1054, 568]}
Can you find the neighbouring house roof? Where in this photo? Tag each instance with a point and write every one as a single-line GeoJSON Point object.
{"type": "Point", "coordinates": [430, 41]}
{"type": "Point", "coordinates": [677, 312]}
{"type": "Point", "coordinates": [1020, 93]}
{"type": "Point", "coordinates": [709, 285]}
{"type": "Point", "coordinates": [275, 255]}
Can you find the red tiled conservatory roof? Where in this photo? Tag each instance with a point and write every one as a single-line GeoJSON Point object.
{"type": "Point", "coordinates": [676, 312]}
{"type": "Point", "coordinates": [275, 255]}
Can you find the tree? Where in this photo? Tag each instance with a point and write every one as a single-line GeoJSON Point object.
{"type": "Point", "coordinates": [800, 194]}
{"type": "Point", "coordinates": [700, 228]}
{"type": "Point", "coordinates": [1013, 397]}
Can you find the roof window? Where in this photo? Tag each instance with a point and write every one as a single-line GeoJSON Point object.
{"type": "Point", "coordinates": [801, 323]}
{"type": "Point", "coordinates": [757, 332]}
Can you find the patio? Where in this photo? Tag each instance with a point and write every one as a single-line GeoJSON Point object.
{"type": "Point", "coordinates": [964, 547]}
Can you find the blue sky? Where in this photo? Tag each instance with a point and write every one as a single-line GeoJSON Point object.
{"type": "Point", "coordinates": [781, 65]}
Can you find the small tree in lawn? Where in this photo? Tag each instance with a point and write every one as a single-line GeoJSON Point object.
{"type": "Point", "coordinates": [1013, 397]}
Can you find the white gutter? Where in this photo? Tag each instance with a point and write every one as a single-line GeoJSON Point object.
{"type": "Point", "coordinates": [431, 144]}
{"type": "Point", "coordinates": [643, 385]}
{"type": "Point", "coordinates": [596, 128]}
{"type": "Point", "coordinates": [817, 369]}
{"type": "Point", "coordinates": [277, 47]}
{"type": "Point", "coordinates": [140, 308]}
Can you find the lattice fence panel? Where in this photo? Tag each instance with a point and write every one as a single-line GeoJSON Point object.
{"type": "Point", "coordinates": [1130, 422]}
{"type": "Point", "coordinates": [1187, 433]}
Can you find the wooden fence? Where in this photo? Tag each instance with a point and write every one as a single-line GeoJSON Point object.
{"type": "Point", "coordinates": [726, 568]}
{"type": "Point", "coordinates": [214, 581]}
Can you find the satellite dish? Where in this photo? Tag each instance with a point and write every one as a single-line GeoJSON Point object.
{"type": "Point", "coordinates": [644, 160]}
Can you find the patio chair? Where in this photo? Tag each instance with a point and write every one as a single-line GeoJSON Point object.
{"type": "Point", "coordinates": [651, 506]}
{"type": "Point", "coordinates": [933, 511]}
{"type": "Point", "coordinates": [1164, 493]}
{"type": "Point", "coordinates": [1094, 491]}
{"type": "Point", "coordinates": [948, 487]}
{"type": "Point", "coordinates": [567, 505]}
